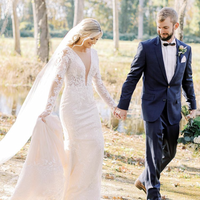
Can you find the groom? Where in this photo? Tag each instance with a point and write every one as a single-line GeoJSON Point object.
{"type": "Point", "coordinates": [165, 64]}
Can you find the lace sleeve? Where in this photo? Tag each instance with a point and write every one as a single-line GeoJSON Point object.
{"type": "Point", "coordinates": [62, 63]}
{"type": "Point", "coordinates": [101, 89]}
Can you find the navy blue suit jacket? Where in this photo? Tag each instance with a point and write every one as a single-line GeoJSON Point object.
{"type": "Point", "coordinates": [156, 92]}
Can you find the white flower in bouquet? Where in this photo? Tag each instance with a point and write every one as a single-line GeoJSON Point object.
{"type": "Point", "coordinates": [197, 140]}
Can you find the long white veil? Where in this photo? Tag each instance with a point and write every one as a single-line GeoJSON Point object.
{"type": "Point", "coordinates": [33, 105]}
{"type": "Point", "coordinates": [36, 100]}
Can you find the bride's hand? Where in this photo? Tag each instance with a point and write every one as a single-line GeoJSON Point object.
{"type": "Point", "coordinates": [113, 110]}
{"type": "Point", "coordinates": [120, 113]}
{"type": "Point", "coordinates": [43, 115]}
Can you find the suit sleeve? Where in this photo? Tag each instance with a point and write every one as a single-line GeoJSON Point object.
{"type": "Point", "coordinates": [187, 83]}
{"type": "Point", "coordinates": [137, 68]}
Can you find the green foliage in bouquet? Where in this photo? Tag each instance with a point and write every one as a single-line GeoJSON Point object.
{"type": "Point", "coordinates": [185, 110]}
{"type": "Point", "coordinates": [191, 130]}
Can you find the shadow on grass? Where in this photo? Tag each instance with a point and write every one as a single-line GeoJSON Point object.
{"type": "Point", "coordinates": [186, 168]}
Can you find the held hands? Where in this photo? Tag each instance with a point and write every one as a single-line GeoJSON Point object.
{"type": "Point", "coordinates": [119, 113]}
{"type": "Point", "coordinates": [43, 115]}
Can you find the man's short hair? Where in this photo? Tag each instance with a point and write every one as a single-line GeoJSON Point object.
{"type": "Point", "coordinates": [167, 12]}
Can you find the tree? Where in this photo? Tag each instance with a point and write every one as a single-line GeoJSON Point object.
{"type": "Point", "coordinates": [27, 11]}
{"type": "Point", "coordinates": [140, 21]}
{"type": "Point", "coordinates": [180, 8]}
{"type": "Point", "coordinates": [101, 10]}
{"type": "Point", "coordinates": [115, 25]}
{"type": "Point", "coordinates": [5, 18]}
{"type": "Point", "coordinates": [4, 25]}
{"type": "Point", "coordinates": [15, 24]}
{"type": "Point", "coordinates": [70, 13]}
{"type": "Point", "coordinates": [125, 16]}
{"type": "Point", "coordinates": [60, 14]}
{"type": "Point", "coordinates": [149, 27]}
{"type": "Point", "coordinates": [78, 13]}
{"type": "Point", "coordinates": [41, 32]}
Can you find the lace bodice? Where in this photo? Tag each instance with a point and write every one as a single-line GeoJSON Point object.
{"type": "Point", "coordinates": [71, 70]}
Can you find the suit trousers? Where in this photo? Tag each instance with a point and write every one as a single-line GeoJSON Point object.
{"type": "Point", "coordinates": [161, 144]}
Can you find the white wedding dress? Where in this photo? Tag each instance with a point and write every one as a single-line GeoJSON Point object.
{"type": "Point", "coordinates": [69, 169]}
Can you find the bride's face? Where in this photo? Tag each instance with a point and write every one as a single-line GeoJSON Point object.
{"type": "Point", "coordinates": [91, 41]}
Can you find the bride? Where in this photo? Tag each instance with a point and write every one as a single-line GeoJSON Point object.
{"type": "Point", "coordinates": [68, 169]}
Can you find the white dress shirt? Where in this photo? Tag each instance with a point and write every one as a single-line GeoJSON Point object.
{"type": "Point", "coordinates": [169, 58]}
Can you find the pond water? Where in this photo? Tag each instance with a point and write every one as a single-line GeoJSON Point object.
{"type": "Point", "coordinates": [12, 98]}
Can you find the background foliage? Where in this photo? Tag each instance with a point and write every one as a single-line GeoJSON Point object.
{"type": "Point", "coordinates": [61, 14]}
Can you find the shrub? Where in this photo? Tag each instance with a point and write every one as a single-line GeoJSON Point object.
{"type": "Point", "coordinates": [26, 26]}
{"type": "Point", "coordinates": [58, 33]}
{"type": "Point", "coordinates": [25, 33]}
{"type": "Point", "coordinates": [191, 39]}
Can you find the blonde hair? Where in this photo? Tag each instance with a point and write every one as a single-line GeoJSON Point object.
{"type": "Point", "coordinates": [167, 12]}
{"type": "Point", "coordinates": [87, 28]}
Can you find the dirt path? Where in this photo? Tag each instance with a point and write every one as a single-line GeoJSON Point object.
{"type": "Point", "coordinates": [123, 162]}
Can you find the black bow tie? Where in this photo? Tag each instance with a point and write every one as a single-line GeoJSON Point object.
{"type": "Point", "coordinates": [168, 44]}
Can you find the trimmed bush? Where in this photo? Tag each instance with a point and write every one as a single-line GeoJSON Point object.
{"type": "Point", "coordinates": [191, 39]}
{"type": "Point", "coordinates": [58, 34]}
{"type": "Point", "coordinates": [24, 33]}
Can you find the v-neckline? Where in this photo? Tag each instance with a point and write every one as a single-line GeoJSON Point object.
{"type": "Point", "coordinates": [86, 77]}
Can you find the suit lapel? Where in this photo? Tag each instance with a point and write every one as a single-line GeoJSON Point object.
{"type": "Point", "coordinates": [158, 52]}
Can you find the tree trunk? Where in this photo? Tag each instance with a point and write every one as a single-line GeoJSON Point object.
{"type": "Point", "coordinates": [15, 25]}
{"type": "Point", "coordinates": [140, 21]}
{"type": "Point", "coordinates": [41, 31]}
{"type": "Point", "coordinates": [115, 25]}
{"type": "Point", "coordinates": [3, 28]}
{"type": "Point", "coordinates": [180, 7]}
{"type": "Point", "coordinates": [4, 12]}
{"type": "Point", "coordinates": [78, 12]}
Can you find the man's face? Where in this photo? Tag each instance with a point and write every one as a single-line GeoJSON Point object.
{"type": "Point", "coordinates": [165, 29]}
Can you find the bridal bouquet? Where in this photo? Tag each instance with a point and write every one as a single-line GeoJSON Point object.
{"type": "Point", "coordinates": [191, 131]}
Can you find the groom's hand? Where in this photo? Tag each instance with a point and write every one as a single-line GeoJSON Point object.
{"type": "Point", "coordinates": [120, 114]}
{"type": "Point", "coordinates": [192, 114]}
